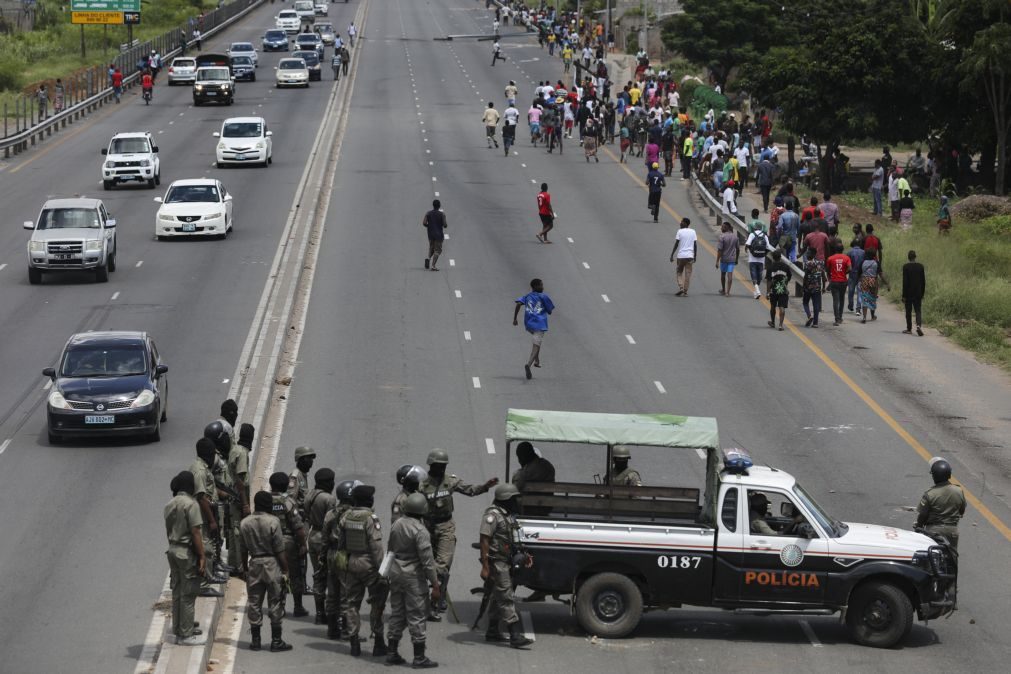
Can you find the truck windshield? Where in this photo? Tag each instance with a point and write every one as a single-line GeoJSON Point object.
{"type": "Point", "coordinates": [69, 218]}
{"type": "Point", "coordinates": [129, 146]}
{"type": "Point", "coordinates": [834, 527]}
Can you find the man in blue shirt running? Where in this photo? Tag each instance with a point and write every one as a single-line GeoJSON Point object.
{"type": "Point", "coordinates": [536, 307]}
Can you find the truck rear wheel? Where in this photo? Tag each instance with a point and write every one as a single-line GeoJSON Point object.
{"type": "Point", "coordinates": [879, 615]}
{"type": "Point", "coordinates": [609, 605]}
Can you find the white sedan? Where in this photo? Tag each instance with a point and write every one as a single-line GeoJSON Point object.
{"type": "Point", "coordinates": [292, 72]}
{"type": "Point", "coordinates": [194, 207]}
{"type": "Point", "coordinates": [244, 49]}
{"type": "Point", "coordinates": [245, 140]}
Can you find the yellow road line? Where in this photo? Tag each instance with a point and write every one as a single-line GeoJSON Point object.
{"type": "Point", "coordinates": [918, 447]}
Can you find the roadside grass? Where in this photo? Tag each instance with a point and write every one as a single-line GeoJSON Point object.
{"type": "Point", "coordinates": [968, 295]}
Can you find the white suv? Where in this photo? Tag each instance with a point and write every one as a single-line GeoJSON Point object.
{"type": "Point", "coordinates": [131, 157]}
{"type": "Point", "coordinates": [288, 21]}
{"type": "Point", "coordinates": [72, 235]}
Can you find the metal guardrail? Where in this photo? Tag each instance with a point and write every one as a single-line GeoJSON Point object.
{"type": "Point", "coordinates": [716, 209]}
{"type": "Point", "coordinates": [91, 90]}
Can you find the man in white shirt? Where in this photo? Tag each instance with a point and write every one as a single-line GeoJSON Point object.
{"type": "Point", "coordinates": [729, 199]}
{"type": "Point", "coordinates": [675, 99]}
{"type": "Point", "coordinates": [758, 246]}
{"type": "Point", "coordinates": [743, 155]}
{"type": "Point", "coordinates": [686, 250]}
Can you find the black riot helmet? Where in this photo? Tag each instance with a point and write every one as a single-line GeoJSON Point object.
{"type": "Point", "coordinates": [344, 490]}
{"type": "Point", "coordinates": [415, 476]}
{"type": "Point", "coordinates": [940, 471]}
{"type": "Point", "coordinates": [403, 471]}
{"type": "Point", "coordinates": [215, 432]}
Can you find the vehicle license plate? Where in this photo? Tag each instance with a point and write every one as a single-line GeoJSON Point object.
{"type": "Point", "coordinates": [212, 93]}
{"type": "Point", "coordinates": [239, 156]}
{"type": "Point", "coordinates": [189, 227]}
{"type": "Point", "coordinates": [107, 419]}
{"type": "Point", "coordinates": [63, 256]}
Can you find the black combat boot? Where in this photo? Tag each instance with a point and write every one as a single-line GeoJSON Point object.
{"type": "Point", "coordinates": [299, 611]}
{"type": "Point", "coordinates": [379, 647]}
{"type": "Point", "coordinates": [320, 610]}
{"type": "Point", "coordinates": [516, 637]}
{"type": "Point", "coordinates": [356, 646]}
{"type": "Point", "coordinates": [393, 657]}
{"type": "Point", "coordinates": [254, 642]}
{"type": "Point", "coordinates": [421, 661]}
{"type": "Point", "coordinates": [276, 643]}
{"type": "Point", "coordinates": [493, 635]}
{"type": "Point", "coordinates": [333, 626]}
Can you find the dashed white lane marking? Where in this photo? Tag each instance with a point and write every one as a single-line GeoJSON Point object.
{"type": "Point", "coordinates": [466, 335]}
{"type": "Point", "coordinates": [490, 444]}
{"type": "Point", "coordinates": [523, 165]}
{"type": "Point", "coordinates": [436, 194]}
{"type": "Point", "coordinates": [115, 295]}
{"type": "Point", "coordinates": [569, 239]}
{"type": "Point", "coordinates": [629, 338]}
{"type": "Point", "coordinates": [701, 453]}
{"type": "Point", "coordinates": [446, 236]}
{"type": "Point", "coordinates": [659, 387]}
{"type": "Point", "coordinates": [586, 265]}
{"type": "Point", "coordinates": [434, 179]}
{"type": "Point", "coordinates": [161, 131]}
{"type": "Point", "coordinates": [428, 152]}
{"type": "Point", "coordinates": [3, 446]}
{"type": "Point", "coordinates": [2, 267]}
{"type": "Point", "coordinates": [528, 623]}
{"type": "Point", "coordinates": [605, 298]}
{"type": "Point", "coordinates": [459, 295]}
{"type": "Point", "coordinates": [224, 381]}
{"type": "Point", "coordinates": [431, 163]}
{"type": "Point", "coordinates": [806, 628]}
{"type": "Point", "coordinates": [476, 381]}
{"type": "Point", "coordinates": [533, 181]}
{"type": "Point", "coordinates": [452, 262]}
{"type": "Point", "coordinates": [139, 263]}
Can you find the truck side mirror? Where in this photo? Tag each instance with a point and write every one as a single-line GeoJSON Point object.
{"type": "Point", "coordinates": [105, 151]}
{"type": "Point", "coordinates": [29, 224]}
{"type": "Point", "coordinates": [49, 372]}
{"type": "Point", "coordinates": [110, 223]}
{"type": "Point", "coordinates": [155, 149]}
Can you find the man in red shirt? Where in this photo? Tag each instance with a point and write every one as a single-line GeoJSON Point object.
{"type": "Point", "coordinates": [816, 239]}
{"type": "Point", "coordinates": [117, 83]}
{"type": "Point", "coordinates": [546, 213]}
{"type": "Point", "coordinates": [147, 84]}
{"type": "Point", "coordinates": [872, 241]}
{"type": "Point", "coordinates": [812, 209]}
{"type": "Point", "coordinates": [839, 265]}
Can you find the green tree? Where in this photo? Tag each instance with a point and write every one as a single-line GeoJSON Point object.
{"type": "Point", "coordinates": [987, 65]}
{"type": "Point", "coordinates": [720, 34]}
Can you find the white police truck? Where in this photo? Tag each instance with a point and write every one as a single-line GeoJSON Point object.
{"type": "Point", "coordinates": [751, 540]}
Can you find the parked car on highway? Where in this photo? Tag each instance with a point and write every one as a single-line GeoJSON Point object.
{"type": "Point", "coordinates": [72, 235]}
{"type": "Point", "coordinates": [288, 21]}
{"type": "Point", "coordinates": [243, 49]}
{"type": "Point", "coordinates": [243, 69]}
{"type": "Point", "coordinates": [326, 33]}
{"type": "Point", "coordinates": [292, 72]}
{"type": "Point", "coordinates": [194, 207]}
{"type": "Point", "coordinates": [131, 157]}
{"type": "Point", "coordinates": [312, 63]}
{"type": "Point", "coordinates": [245, 140]}
{"type": "Point", "coordinates": [309, 41]}
{"type": "Point", "coordinates": [275, 40]}
{"type": "Point", "coordinates": [182, 69]}
{"type": "Point", "coordinates": [107, 383]}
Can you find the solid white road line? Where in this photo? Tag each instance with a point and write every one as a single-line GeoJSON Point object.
{"type": "Point", "coordinates": [490, 444]}
{"type": "Point", "coordinates": [629, 338]}
{"type": "Point", "coordinates": [659, 387]}
{"type": "Point", "coordinates": [476, 381]}
{"type": "Point", "coordinates": [466, 336]}
{"type": "Point", "coordinates": [4, 445]}
{"type": "Point", "coordinates": [605, 298]}
{"type": "Point", "coordinates": [459, 295]}
{"type": "Point", "coordinates": [806, 628]}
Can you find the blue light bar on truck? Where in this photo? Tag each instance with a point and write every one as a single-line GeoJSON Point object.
{"type": "Point", "coordinates": [736, 460]}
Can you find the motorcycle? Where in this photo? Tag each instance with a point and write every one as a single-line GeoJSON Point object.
{"type": "Point", "coordinates": [147, 96]}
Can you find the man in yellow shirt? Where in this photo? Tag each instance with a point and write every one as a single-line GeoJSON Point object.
{"type": "Point", "coordinates": [567, 56]}
{"type": "Point", "coordinates": [687, 148]}
{"type": "Point", "coordinates": [635, 94]}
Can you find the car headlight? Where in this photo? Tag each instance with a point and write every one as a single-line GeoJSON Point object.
{"type": "Point", "coordinates": [57, 400]}
{"type": "Point", "coordinates": [213, 216]}
{"type": "Point", "coordinates": [143, 400]}
{"type": "Point", "coordinates": [110, 164]}
{"type": "Point", "coordinates": [198, 87]}
{"type": "Point", "coordinates": [37, 246]}
{"type": "Point", "coordinates": [164, 216]}
{"type": "Point", "coordinates": [93, 246]}
{"type": "Point", "coordinates": [225, 86]}
{"type": "Point", "coordinates": [260, 145]}
{"type": "Point", "coordinates": [221, 146]}
{"type": "Point", "coordinates": [145, 162]}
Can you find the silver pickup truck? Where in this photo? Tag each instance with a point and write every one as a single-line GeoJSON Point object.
{"type": "Point", "coordinates": [72, 235]}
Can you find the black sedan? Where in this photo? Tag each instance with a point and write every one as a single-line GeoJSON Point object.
{"type": "Point", "coordinates": [243, 68]}
{"type": "Point", "coordinates": [275, 40]}
{"type": "Point", "coordinates": [312, 62]}
{"type": "Point", "coordinates": [107, 383]}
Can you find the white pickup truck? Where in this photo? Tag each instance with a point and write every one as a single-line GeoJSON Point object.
{"type": "Point", "coordinates": [751, 540]}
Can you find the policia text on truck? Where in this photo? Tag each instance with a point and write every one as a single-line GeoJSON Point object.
{"type": "Point", "coordinates": [750, 540]}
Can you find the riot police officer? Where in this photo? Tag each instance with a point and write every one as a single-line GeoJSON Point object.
{"type": "Point", "coordinates": [621, 475]}
{"type": "Point", "coordinates": [318, 503]}
{"type": "Point", "coordinates": [411, 571]}
{"type": "Point", "coordinates": [298, 487]}
{"type": "Point", "coordinates": [268, 565]}
{"type": "Point", "coordinates": [409, 477]}
{"type": "Point", "coordinates": [500, 551]}
{"type": "Point", "coordinates": [238, 466]}
{"type": "Point", "coordinates": [293, 532]}
{"type": "Point", "coordinates": [362, 538]}
{"type": "Point", "coordinates": [942, 506]}
{"type": "Point", "coordinates": [334, 604]}
{"type": "Point", "coordinates": [224, 485]}
{"type": "Point", "coordinates": [438, 489]}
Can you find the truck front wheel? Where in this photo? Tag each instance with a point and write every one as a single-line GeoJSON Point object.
{"type": "Point", "coordinates": [879, 615]}
{"type": "Point", "coordinates": [609, 605]}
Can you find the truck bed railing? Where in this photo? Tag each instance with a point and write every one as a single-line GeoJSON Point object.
{"type": "Point", "coordinates": [561, 500]}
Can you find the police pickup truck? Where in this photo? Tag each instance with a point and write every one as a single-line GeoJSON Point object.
{"type": "Point", "coordinates": [752, 540]}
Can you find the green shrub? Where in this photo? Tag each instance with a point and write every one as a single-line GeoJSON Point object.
{"type": "Point", "coordinates": [10, 74]}
{"type": "Point", "coordinates": [999, 226]}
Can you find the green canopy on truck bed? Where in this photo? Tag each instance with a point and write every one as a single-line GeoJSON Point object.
{"type": "Point", "coordinates": [653, 430]}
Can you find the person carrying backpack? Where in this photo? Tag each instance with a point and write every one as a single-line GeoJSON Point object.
{"type": "Point", "coordinates": [757, 246]}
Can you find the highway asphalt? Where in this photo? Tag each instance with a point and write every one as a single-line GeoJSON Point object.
{"type": "Point", "coordinates": [397, 360]}
{"type": "Point", "coordinates": [83, 554]}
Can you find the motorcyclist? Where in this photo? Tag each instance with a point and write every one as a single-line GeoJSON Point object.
{"type": "Point", "coordinates": [147, 86]}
